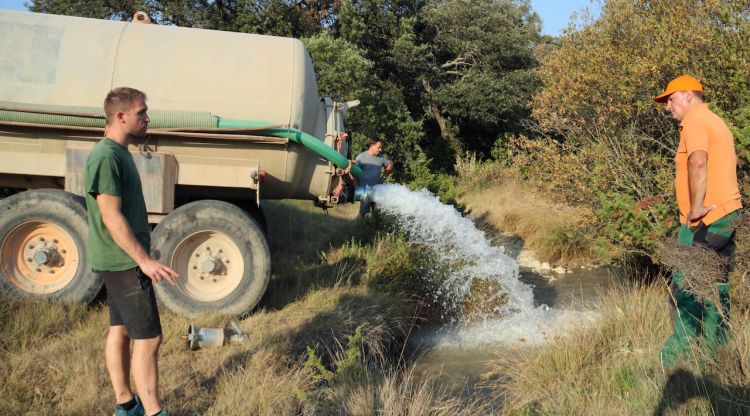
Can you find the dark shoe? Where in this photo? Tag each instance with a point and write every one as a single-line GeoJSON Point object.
{"type": "Point", "coordinates": [137, 410]}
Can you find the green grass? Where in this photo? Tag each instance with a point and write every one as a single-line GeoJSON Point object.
{"type": "Point", "coordinates": [333, 297]}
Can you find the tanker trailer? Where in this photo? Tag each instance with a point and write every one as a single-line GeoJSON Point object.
{"type": "Point", "coordinates": [235, 118]}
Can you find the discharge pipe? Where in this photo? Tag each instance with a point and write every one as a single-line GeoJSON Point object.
{"type": "Point", "coordinates": [364, 194]}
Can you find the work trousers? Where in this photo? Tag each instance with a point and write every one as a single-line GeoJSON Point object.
{"type": "Point", "coordinates": [695, 317]}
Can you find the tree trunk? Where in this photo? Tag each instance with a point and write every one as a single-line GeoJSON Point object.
{"type": "Point", "coordinates": [448, 132]}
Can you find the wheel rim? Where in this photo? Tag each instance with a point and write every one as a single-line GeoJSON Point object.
{"type": "Point", "coordinates": [40, 257]}
{"type": "Point", "coordinates": [210, 265]}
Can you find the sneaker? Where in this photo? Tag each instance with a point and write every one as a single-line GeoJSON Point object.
{"type": "Point", "coordinates": [137, 410]}
{"type": "Point", "coordinates": [163, 412]}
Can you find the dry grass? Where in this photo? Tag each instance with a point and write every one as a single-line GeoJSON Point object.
{"type": "Point", "coordinates": [610, 369]}
{"type": "Point", "coordinates": [400, 394]}
{"type": "Point", "coordinates": [299, 235]}
{"type": "Point", "coordinates": [51, 356]}
{"type": "Point", "coordinates": [613, 368]}
{"type": "Point", "coordinates": [547, 228]}
{"type": "Point", "coordinates": [266, 375]}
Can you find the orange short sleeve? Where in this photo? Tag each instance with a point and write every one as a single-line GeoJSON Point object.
{"type": "Point", "coordinates": [695, 133]}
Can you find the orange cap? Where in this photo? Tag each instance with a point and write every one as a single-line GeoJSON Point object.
{"type": "Point", "coordinates": [681, 83]}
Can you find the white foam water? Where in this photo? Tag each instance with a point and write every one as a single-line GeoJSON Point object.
{"type": "Point", "coordinates": [533, 327]}
{"type": "Point", "coordinates": [456, 242]}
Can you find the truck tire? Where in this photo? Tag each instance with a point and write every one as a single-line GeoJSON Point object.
{"type": "Point", "coordinates": [221, 255]}
{"type": "Point", "coordinates": [43, 236]}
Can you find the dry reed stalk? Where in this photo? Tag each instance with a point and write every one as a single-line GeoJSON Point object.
{"type": "Point", "coordinates": [701, 268]}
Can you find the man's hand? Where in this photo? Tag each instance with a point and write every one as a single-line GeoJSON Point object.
{"type": "Point", "coordinates": [348, 168]}
{"type": "Point", "coordinates": [696, 214]}
{"type": "Point", "coordinates": [118, 227]}
{"type": "Point", "coordinates": [157, 271]}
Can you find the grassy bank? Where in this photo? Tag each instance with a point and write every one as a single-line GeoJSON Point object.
{"type": "Point", "coordinates": [613, 368]}
{"type": "Point", "coordinates": [499, 201]}
{"type": "Point", "coordinates": [329, 336]}
{"type": "Point", "coordinates": [326, 339]}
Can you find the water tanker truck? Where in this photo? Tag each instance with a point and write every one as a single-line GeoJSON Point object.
{"type": "Point", "coordinates": [235, 119]}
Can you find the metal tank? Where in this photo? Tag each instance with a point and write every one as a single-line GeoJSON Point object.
{"type": "Point", "coordinates": [203, 186]}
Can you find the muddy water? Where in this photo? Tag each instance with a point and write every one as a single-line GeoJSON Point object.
{"type": "Point", "coordinates": [457, 357]}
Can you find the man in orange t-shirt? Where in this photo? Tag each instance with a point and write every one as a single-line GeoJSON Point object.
{"type": "Point", "coordinates": [709, 202]}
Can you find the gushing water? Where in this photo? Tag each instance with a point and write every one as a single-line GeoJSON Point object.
{"type": "Point", "coordinates": [464, 259]}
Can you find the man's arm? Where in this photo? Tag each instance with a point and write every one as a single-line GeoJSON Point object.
{"type": "Point", "coordinates": [698, 180]}
{"type": "Point", "coordinates": [118, 227]}
{"type": "Point", "coordinates": [388, 169]}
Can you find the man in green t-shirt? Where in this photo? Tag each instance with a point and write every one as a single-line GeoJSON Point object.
{"type": "Point", "coordinates": [119, 243]}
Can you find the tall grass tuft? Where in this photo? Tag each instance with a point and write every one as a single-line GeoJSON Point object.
{"type": "Point", "coordinates": [611, 368]}
{"type": "Point", "coordinates": [614, 367]}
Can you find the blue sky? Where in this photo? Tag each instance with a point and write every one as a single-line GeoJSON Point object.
{"type": "Point", "coordinates": [555, 14]}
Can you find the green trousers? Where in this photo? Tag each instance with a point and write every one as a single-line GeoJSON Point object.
{"type": "Point", "coordinates": [695, 318]}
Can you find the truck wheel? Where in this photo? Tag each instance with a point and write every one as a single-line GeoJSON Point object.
{"type": "Point", "coordinates": [221, 255]}
{"type": "Point", "coordinates": [43, 247]}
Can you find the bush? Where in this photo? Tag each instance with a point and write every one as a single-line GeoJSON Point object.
{"type": "Point", "coordinates": [628, 224]}
{"type": "Point", "coordinates": [444, 185]}
{"type": "Point", "coordinates": [628, 187]}
{"type": "Point", "coordinates": [606, 74]}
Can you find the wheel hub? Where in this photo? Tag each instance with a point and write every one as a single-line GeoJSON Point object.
{"type": "Point", "coordinates": [42, 256]}
{"type": "Point", "coordinates": [214, 267]}
{"type": "Point", "coordinates": [209, 266]}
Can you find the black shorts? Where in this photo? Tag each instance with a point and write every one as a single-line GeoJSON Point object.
{"type": "Point", "coordinates": [132, 303]}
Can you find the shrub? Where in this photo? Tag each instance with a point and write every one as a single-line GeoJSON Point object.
{"type": "Point", "coordinates": [628, 224]}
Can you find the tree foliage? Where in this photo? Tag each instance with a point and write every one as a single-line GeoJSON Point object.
{"type": "Point", "coordinates": [482, 59]}
{"type": "Point", "coordinates": [469, 66]}
{"type": "Point", "coordinates": [345, 73]}
{"type": "Point", "coordinates": [272, 17]}
{"type": "Point", "coordinates": [597, 102]}
{"type": "Point", "coordinates": [607, 73]}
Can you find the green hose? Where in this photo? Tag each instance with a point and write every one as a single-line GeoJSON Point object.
{"type": "Point", "coordinates": [297, 136]}
{"type": "Point", "coordinates": [81, 116]}
{"type": "Point", "coordinates": [94, 116]}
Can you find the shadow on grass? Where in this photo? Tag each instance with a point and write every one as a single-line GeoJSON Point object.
{"type": "Point", "coordinates": [682, 386]}
{"type": "Point", "coordinates": [289, 286]}
{"type": "Point", "coordinates": [299, 235]}
{"type": "Point", "coordinates": [513, 244]}
{"type": "Point", "coordinates": [385, 331]}
{"type": "Point", "coordinates": [208, 385]}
